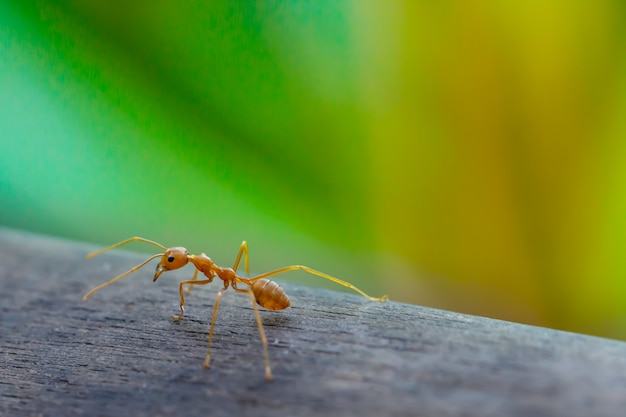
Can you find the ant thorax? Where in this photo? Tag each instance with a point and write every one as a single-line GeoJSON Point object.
{"type": "Point", "coordinates": [204, 264]}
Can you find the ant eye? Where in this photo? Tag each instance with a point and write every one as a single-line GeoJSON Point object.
{"type": "Point", "coordinates": [170, 259]}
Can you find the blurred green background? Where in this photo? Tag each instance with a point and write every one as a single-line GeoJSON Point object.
{"type": "Point", "coordinates": [463, 155]}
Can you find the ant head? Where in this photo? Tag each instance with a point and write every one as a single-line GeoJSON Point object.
{"type": "Point", "coordinates": [173, 258]}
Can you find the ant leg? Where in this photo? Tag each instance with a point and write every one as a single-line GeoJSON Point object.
{"type": "Point", "coordinates": [217, 304]}
{"type": "Point", "coordinates": [268, 371]}
{"type": "Point", "coordinates": [182, 298]}
{"type": "Point", "coordinates": [195, 277]}
{"type": "Point", "coordinates": [243, 249]}
{"type": "Point", "coordinates": [319, 274]}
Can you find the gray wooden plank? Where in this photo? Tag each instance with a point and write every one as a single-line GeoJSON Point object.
{"type": "Point", "coordinates": [333, 353]}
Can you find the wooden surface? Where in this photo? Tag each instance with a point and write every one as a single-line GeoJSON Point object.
{"type": "Point", "coordinates": [332, 353]}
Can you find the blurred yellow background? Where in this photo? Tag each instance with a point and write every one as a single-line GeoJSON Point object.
{"type": "Point", "coordinates": [460, 155]}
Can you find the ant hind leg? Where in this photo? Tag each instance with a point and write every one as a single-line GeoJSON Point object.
{"type": "Point", "coordinates": [268, 371]}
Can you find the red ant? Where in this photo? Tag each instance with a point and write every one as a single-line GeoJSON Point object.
{"type": "Point", "coordinates": [266, 293]}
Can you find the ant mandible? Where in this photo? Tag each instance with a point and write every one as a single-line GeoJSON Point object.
{"type": "Point", "coordinates": [266, 293]}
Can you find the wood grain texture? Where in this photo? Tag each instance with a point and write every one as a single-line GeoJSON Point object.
{"type": "Point", "coordinates": [332, 353]}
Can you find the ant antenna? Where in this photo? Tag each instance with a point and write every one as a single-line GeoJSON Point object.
{"type": "Point", "coordinates": [130, 271]}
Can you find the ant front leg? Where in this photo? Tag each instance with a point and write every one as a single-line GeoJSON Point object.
{"type": "Point", "coordinates": [195, 277]}
{"type": "Point", "coordinates": [182, 297]}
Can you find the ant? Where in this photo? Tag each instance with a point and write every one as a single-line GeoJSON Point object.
{"type": "Point", "coordinates": [266, 293]}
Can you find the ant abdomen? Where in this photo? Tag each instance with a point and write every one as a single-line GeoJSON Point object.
{"type": "Point", "coordinates": [270, 295]}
